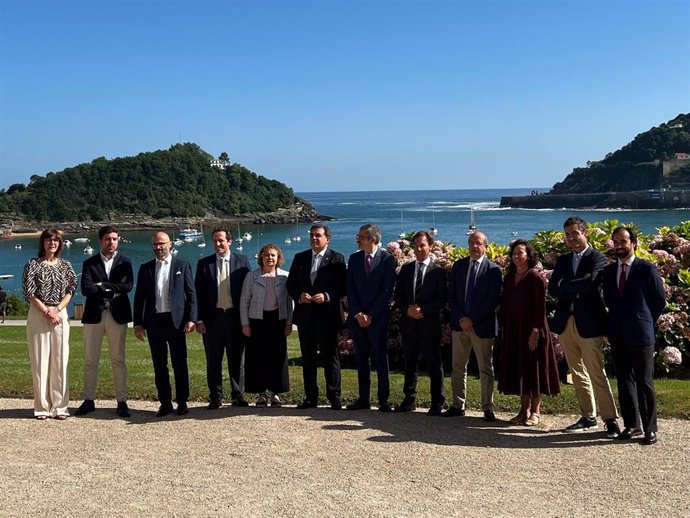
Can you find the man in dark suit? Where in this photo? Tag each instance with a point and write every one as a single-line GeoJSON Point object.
{"type": "Point", "coordinates": [473, 295]}
{"type": "Point", "coordinates": [165, 309]}
{"type": "Point", "coordinates": [580, 321]}
{"type": "Point", "coordinates": [370, 282]}
{"type": "Point", "coordinates": [317, 283]}
{"type": "Point", "coordinates": [218, 281]}
{"type": "Point", "coordinates": [420, 295]}
{"type": "Point", "coordinates": [634, 294]}
{"type": "Point", "coordinates": [106, 280]}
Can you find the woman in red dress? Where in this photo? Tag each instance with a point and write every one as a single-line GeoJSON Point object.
{"type": "Point", "coordinates": [527, 362]}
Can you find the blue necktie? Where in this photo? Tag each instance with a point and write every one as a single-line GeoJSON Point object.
{"type": "Point", "coordinates": [470, 286]}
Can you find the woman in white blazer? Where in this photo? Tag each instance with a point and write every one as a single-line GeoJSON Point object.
{"type": "Point", "coordinates": [266, 316]}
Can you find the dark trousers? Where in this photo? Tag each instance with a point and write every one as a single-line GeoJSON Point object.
{"type": "Point", "coordinates": [161, 336]}
{"type": "Point", "coordinates": [266, 355]}
{"type": "Point", "coordinates": [635, 375]}
{"type": "Point", "coordinates": [312, 338]}
{"type": "Point", "coordinates": [371, 343]}
{"type": "Point", "coordinates": [422, 337]}
{"type": "Point", "coordinates": [224, 337]}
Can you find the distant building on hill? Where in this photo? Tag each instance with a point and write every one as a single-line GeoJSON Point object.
{"type": "Point", "coordinates": [680, 159]}
{"type": "Point", "coordinates": [218, 163]}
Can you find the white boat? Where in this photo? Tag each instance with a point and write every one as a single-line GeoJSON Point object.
{"type": "Point", "coordinates": [174, 251]}
{"type": "Point", "coordinates": [203, 240]}
{"type": "Point", "coordinates": [81, 239]}
{"type": "Point", "coordinates": [297, 237]}
{"type": "Point", "coordinates": [247, 236]}
{"type": "Point", "coordinates": [88, 250]}
{"type": "Point", "coordinates": [473, 225]}
{"type": "Point", "coordinates": [287, 241]}
{"type": "Point", "coordinates": [6, 276]}
{"type": "Point", "coordinates": [67, 243]}
{"type": "Point", "coordinates": [189, 234]}
{"type": "Point", "coordinates": [402, 227]}
{"type": "Point", "coordinates": [17, 247]}
{"type": "Point", "coordinates": [433, 230]}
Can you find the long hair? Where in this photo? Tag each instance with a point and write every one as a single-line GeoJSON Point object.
{"type": "Point", "coordinates": [49, 233]}
{"type": "Point", "coordinates": [531, 255]}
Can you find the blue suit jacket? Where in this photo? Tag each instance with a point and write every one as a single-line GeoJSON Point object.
{"type": "Point", "coordinates": [118, 287]}
{"type": "Point", "coordinates": [582, 293]}
{"type": "Point", "coordinates": [183, 307]}
{"type": "Point", "coordinates": [370, 294]}
{"type": "Point", "coordinates": [206, 283]}
{"type": "Point", "coordinates": [632, 317]}
{"type": "Point", "coordinates": [486, 296]}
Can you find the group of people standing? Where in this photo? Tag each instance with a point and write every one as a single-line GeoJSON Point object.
{"type": "Point", "coordinates": [246, 315]}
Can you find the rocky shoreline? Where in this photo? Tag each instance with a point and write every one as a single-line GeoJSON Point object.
{"type": "Point", "coordinates": [132, 222]}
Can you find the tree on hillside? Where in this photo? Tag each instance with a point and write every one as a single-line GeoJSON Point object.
{"type": "Point", "coordinates": [223, 157]}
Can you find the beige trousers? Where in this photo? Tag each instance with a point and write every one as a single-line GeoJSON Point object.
{"type": "Point", "coordinates": [586, 362]}
{"type": "Point", "coordinates": [463, 344]}
{"type": "Point", "coordinates": [93, 341]}
{"type": "Point", "coordinates": [48, 356]}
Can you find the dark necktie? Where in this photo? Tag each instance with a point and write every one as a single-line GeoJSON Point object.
{"type": "Point", "coordinates": [367, 264]}
{"type": "Point", "coordinates": [621, 280]}
{"type": "Point", "coordinates": [418, 281]}
{"type": "Point", "coordinates": [470, 286]}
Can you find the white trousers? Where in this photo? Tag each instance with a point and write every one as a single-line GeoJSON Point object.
{"type": "Point", "coordinates": [93, 340]}
{"type": "Point", "coordinates": [48, 356]}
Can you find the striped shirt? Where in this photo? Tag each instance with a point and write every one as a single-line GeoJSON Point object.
{"type": "Point", "coordinates": [48, 282]}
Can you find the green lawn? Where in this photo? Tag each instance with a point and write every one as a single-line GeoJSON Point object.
{"type": "Point", "coordinates": [15, 377]}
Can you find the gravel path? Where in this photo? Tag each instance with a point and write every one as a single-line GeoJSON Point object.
{"type": "Point", "coordinates": [287, 462]}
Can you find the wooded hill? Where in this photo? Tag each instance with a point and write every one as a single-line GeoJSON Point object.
{"type": "Point", "coordinates": [637, 165]}
{"type": "Point", "coordinates": [179, 182]}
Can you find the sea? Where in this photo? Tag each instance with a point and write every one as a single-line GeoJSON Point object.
{"type": "Point", "coordinates": [450, 212]}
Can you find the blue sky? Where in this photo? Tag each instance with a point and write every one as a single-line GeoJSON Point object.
{"type": "Point", "coordinates": [341, 95]}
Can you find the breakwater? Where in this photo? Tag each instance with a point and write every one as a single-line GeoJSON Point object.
{"type": "Point", "coordinates": [652, 199]}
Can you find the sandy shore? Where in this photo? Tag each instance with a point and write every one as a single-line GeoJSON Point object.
{"type": "Point", "coordinates": [285, 462]}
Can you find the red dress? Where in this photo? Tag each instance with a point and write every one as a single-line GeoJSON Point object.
{"type": "Point", "coordinates": [523, 308]}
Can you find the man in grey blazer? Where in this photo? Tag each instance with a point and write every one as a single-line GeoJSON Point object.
{"type": "Point", "coordinates": [165, 311]}
{"type": "Point", "coordinates": [219, 278]}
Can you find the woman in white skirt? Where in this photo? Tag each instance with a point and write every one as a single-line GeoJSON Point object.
{"type": "Point", "coordinates": [49, 283]}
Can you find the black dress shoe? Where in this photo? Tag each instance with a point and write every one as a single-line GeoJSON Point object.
{"type": "Point", "coordinates": [87, 406]}
{"type": "Point", "coordinates": [182, 409]}
{"type": "Point", "coordinates": [629, 433]}
{"type": "Point", "coordinates": [240, 401]}
{"type": "Point", "coordinates": [453, 412]}
{"type": "Point", "coordinates": [306, 404]}
{"type": "Point", "coordinates": [489, 415]}
{"type": "Point", "coordinates": [214, 405]}
{"type": "Point", "coordinates": [385, 407]}
{"type": "Point", "coordinates": [407, 405]}
{"type": "Point", "coordinates": [123, 409]}
{"type": "Point", "coordinates": [435, 410]}
{"type": "Point", "coordinates": [359, 404]}
{"type": "Point", "coordinates": [336, 405]}
{"type": "Point", "coordinates": [164, 410]}
{"type": "Point", "coordinates": [649, 438]}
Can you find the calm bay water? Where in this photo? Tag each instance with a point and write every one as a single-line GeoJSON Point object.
{"type": "Point", "coordinates": [395, 211]}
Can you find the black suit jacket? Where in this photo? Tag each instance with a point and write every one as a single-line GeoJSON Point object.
{"type": "Point", "coordinates": [632, 317]}
{"type": "Point", "coordinates": [183, 307]}
{"type": "Point", "coordinates": [330, 279]}
{"type": "Point", "coordinates": [432, 295]}
{"type": "Point", "coordinates": [486, 296]}
{"type": "Point", "coordinates": [371, 294]}
{"type": "Point", "coordinates": [583, 293]}
{"type": "Point", "coordinates": [206, 283]}
{"type": "Point", "coordinates": [113, 289]}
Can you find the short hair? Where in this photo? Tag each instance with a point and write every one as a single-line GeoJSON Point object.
{"type": "Point", "coordinates": [631, 233]}
{"type": "Point", "coordinates": [108, 229]}
{"type": "Point", "coordinates": [475, 232]}
{"type": "Point", "coordinates": [326, 230]}
{"type": "Point", "coordinates": [424, 234]}
{"type": "Point", "coordinates": [49, 233]}
{"type": "Point", "coordinates": [266, 248]}
{"type": "Point", "coordinates": [372, 230]}
{"type": "Point", "coordinates": [228, 232]}
{"type": "Point", "coordinates": [531, 254]}
{"type": "Point", "coordinates": [575, 220]}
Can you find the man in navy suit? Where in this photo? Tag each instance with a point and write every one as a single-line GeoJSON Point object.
{"type": "Point", "coordinates": [420, 295]}
{"type": "Point", "coordinates": [317, 283]}
{"type": "Point", "coordinates": [473, 296]}
{"type": "Point", "coordinates": [106, 280]}
{"type": "Point", "coordinates": [218, 282]}
{"type": "Point", "coordinates": [580, 321]}
{"type": "Point", "coordinates": [165, 310]}
{"type": "Point", "coordinates": [634, 294]}
{"type": "Point", "coordinates": [370, 282]}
